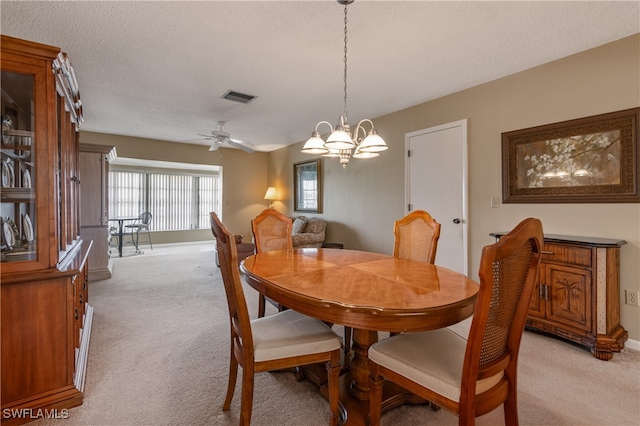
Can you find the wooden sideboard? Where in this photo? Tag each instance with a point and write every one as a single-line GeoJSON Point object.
{"type": "Point", "coordinates": [577, 297]}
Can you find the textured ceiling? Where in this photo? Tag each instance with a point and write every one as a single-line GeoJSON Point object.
{"type": "Point", "coordinates": [158, 69]}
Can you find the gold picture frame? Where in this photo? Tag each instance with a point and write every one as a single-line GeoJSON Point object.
{"type": "Point", "coordinates": [588, 160]}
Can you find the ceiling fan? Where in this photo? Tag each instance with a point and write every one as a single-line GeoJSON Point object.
{"type": "Point", "coordinates": [220, 137]}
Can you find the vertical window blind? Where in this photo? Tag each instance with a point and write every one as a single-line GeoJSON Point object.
{"type": "Point", "coordinates": [176, 201]}
{"type": "Point", "coordinates": [126, 194]}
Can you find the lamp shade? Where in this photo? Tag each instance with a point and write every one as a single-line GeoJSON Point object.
{"type": "Point", "coordinates": [314, 145]}
{"type": "Point", "coordinates": [365, 155]}
{"type": "Point", "coordinates": [271, 194]}
{"type": "Point", "coordinates": [372, 143]}
{"type": "Point", "coordinates": [332, 153]}
{"type": "Point", "coordinates": [339, 139]}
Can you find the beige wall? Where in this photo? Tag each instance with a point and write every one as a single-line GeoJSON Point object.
{"type": "Point", "coordinates": [244, 178]}
{"type": "Point", "coordinates": [361, 202]}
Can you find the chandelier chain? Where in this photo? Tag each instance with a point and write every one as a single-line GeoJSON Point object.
{"type": "Point", "coordinates": [345, 63]}
{"type": "Point", "coordinates": [345, 142]}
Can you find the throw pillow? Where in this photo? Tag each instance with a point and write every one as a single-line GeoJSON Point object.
{"type": "Point", "coordinates": [316, 226]}
{"type": "Point", "coordinates": [298, 225]}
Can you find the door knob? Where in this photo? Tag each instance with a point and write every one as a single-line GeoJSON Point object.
{"type": "Point", "coordinates": [456, 221]}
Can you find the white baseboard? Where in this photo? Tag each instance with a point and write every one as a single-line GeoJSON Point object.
{"type": "Point", "coordinates": [82, 354]}
{"type": "Point", "coordinates": [632, 344]}
{"type": "Point", "coordinates": [462, 328]}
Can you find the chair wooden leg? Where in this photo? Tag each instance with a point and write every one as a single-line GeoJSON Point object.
{"type": "Point", "coordinates": [231, 386]}
{"type": "Point", "coordinates": [467, 416]}
{"type": "Point", "coordinates": [333, 375]}
{"type": "Point", "coordinates": [375, 396]}
{"type": "Point", "coordinates": [510, 406]}
{"type": "Point", "coordinates": [247, 395]}
{"type": "Point", "coordinates": [150, 244]}
{"type": "Point", "coordinates": [261, 305]}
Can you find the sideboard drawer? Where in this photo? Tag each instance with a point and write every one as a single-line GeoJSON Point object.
{"type": "Point", "coordinates": [563, 253]}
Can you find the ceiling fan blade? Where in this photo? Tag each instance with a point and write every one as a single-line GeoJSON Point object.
{"type": "Point", "coordinates": [193, 140]}
{"type": "Point", "coordinates": [242, 146]}
{"type": "Point", "coordinates": [241, 142]}
{"type": "Point", "coordinates": [207, 137]}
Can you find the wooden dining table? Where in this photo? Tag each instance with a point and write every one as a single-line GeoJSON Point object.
{"type": "Point", "coordinates": [369, 292]}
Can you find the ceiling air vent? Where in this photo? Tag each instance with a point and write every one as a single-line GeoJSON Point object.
{"type": "Point", "coordinates": [238, 97]}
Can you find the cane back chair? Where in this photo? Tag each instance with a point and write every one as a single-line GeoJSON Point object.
{"type": "Point", "coordinates": [282, 340]}
{"type": "Point", "coordinates": [470, 377]}
{"type": "Point", "coordinates": [416, 237]}
{"type": "Point", "coordinates": [271, 231]}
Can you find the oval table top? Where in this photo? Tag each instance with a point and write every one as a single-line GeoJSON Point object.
{"type": "Point", "coordinates": [369, 291]}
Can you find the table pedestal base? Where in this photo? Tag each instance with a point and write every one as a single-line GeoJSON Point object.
{"type": "Point", "coordinates": [356, 410]}
{"type": "Point", "coordinates": [354, 383]}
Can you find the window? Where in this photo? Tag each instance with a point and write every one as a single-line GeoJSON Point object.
{"type": "Point", "coordinates": [177, 199]}
{"type": "Point", "coordinates": [307, 186]}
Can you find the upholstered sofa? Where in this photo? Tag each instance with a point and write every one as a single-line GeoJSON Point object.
{"type": "Point", "coordinates": [308, 232]}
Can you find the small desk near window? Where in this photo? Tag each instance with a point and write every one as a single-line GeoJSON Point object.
{"type": "Point", "coordinates": [120, 233]}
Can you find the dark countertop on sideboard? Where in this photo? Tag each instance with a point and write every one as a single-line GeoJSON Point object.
{"type": "Point", "coordinates": [568, 239]}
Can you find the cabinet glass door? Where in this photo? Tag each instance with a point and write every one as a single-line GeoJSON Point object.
{"type": "Point", "coordinates": [18, 207]}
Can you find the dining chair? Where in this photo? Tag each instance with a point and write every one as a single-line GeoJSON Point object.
{"type": "Point", "coordinates": [271, 231]}
{"type": "Point", "coordinates": [282, 340]}
{"type": "Point", "coordinates": [416, 237]}
{"type": "Point", "coordinates": [141, 224]}
{"type": "Point", "coordinates": [475, 375]}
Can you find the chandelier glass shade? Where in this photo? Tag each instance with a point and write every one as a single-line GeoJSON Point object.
{"type": "Point", "coordinates": [342, 142]}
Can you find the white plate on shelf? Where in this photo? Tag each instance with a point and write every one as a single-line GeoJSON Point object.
{"type": "Point", "coordinates": [28, 227]}
{"type": "Point", "coordinates": [26, 178]}
{"type": "Point", "coordinates": [5, 175]}
{"type": "Point", "coordinates": [12, 176]}
{"type": "Point", "coordinates": [9, 237]}
{"type": "Point", "coordinates": [7, 126]}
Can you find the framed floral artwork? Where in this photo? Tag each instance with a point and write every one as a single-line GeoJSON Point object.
{"type": "Point", "coordinates": [587, 160]}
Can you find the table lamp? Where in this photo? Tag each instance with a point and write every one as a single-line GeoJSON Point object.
{"type": "Point", "coordinates": [271, 195]}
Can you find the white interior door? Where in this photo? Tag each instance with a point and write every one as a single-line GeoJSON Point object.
{"type": "Point", "coordinates": [436, 181]}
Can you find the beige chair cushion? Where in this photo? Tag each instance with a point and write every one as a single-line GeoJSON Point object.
{"type": "Point", "coordinates": [288, 334]}
{"type": "Point", "coordinates": [432, 359]}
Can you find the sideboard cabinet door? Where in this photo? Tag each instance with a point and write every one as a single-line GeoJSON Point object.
{"type": "Point", "coordinates": [569, 300]}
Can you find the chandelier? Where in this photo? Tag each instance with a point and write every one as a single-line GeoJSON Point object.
{"type": "Point", "coordinates": [342, 143]}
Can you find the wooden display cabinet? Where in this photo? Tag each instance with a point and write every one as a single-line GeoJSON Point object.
{"type": "Point", "coordinates": [577, 296]}
{"type": "Point", "coordinates": [45, 317]}
{"type": "Point", "coordinates": [94, 218]}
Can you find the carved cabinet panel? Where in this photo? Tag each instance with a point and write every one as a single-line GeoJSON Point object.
{"type": "Point", "coordinates": [569, 300]}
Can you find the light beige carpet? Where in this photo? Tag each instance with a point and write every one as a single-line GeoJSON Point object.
{"type": "Point", "coordinates": [159, 356]}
